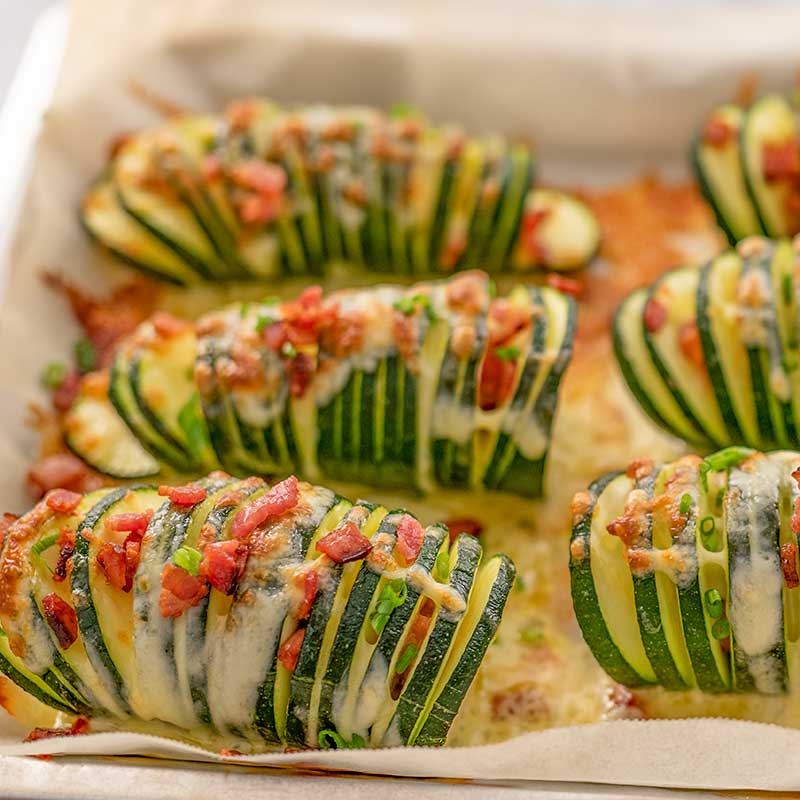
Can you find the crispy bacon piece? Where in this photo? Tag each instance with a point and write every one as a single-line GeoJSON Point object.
{"type": "Point", "coordinates": [61, 471]}
{"type": "Point", "coordinates": [180, 591]}
{"type": "Point", "coordinates": [61, 618]}
{"type": "Point", "coordinates": [189, 495]}
{"type": "Point", "coordinates": [459, 525]}
{"type": "Point", "coordinates": [343, 335]}
{"type": "Point", "coordinates": [281, 498]}
{"type": "Point", "coordinates": [529, 233]}
{"type": "Point", "coordinates": [717, 132]}
{"type": "Point", "coordinates": [621, 703]}
{"type": "Point", "coordinates": [167, 326]}
{"type": "Point", "coordinates": [780, 161]}
{"type": "Point", "coordinates": [344, 544]}
{"type": "Point", "coordinates": [65, 393]}
{"type": "Point", "coordinates": [627, 527]}
{"type": "Point", "coordinates": [789, 565]}
{"type": "Point", "coordinates": [289, 651]}
{"type": "Point", "coordinates": [405, 331]}
{"type": "Point", "coordinates": [639, 468]}
{"type": "Point", "coordinates": [796, 516]}
{"type": "Point", "coordinates": [112, 563]}
{"type": "Point", "coordinates": [78, 728]}
{"type": "Point", "coordinates": [690, 344]}
{"type": "Point", "coordinates": [570, 286]}
{"type": "Point", "coordinates": [62, 500]}
{"type": "Point", "coordinates": [66, 545]}
{"type": "Point", "coordinates": [496, 379]}
{"type": "Point", "coordinates": [506, 319]}
{"type": "Point", "coordinates": [410, 534]}
{"type": "Point", "coordinates": [467, 292]}
{"type": "Point", "coordinates": [265, 184]}
{"type": "Point", "coordinates": [129, 522]}
{"type": "Point", "coordinates": [655, 315]}
{"type": "Point", "coordinates": [223, 564]}
{"type": "Point", "coordinates": [310, 588]}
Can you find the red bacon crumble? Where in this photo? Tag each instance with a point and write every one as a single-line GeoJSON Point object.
{"type": "Point", "coordinates": [65, 393]}
{"type": "Point", "coordinates": [463, 525]}
{"type": "Point", "coordinates": [78, 728]}
{"type": "Point", "coordinates": [66, 544]}
{"type": "Point", "coordinates": [61, 618]}
{"type": "Point", "coordinates": [180, 591]}
{"type": "Point", "coordinates": [265, 184]}
{"type": "Point", "coordinates": [717, 132]}
{"type": "Point", "coordinates": [796, 515]}
{"type": "Point", "coordinates": [410, 534]}
{"type": "Point", "coordinates": [655, 315]}
{"type": "Point", "coordinates": [789, 565]}
{"type": "Point", "coordinates": [690, 344]}
{"type": "Point", "coordinates": [223, 564]}
{"type": "Point", "coordinates": [129, 522]}
{"type": "Point", "coordinates": [289, 651]}
{"type": "Point", "coordinates": [496, 379]}
{"type": "Point", "coordinates": [279, 499]}
{"type": "Point", "coordinates": [61, 471]}
{"type": "Point", "coordinates": [166, 325]}
{"type": "Point", "coordinates": [531, 222]}
{"type": "Point", "coordinates": [310, 588]}
{"type": "Point", "coordinates": [344, 544]}
{"type": "Point", "coordinates": [570, 286]}
{"type": "Point", "coordinates": [780, 161]}
{"type": "Point", "coordinates": [189, 495]}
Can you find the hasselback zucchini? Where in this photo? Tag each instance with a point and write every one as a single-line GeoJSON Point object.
{"type": "Point", "coordinates": [261, 191]}
{"type": "Point", "coordinates": [264, 615]}
{"type": "Point", "coordinates": [437, 383]}
{"type": "Point", "coordinates": [712, 354]}
{"type": "Point", "coordinates": [719, 538]}
{"type": "Point", "coordinates": [747, 165]}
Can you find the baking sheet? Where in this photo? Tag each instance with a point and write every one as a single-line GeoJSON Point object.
{"type": "Point", "coordinates": [579, 82]}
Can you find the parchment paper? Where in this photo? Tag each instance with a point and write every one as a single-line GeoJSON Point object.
{"type": "Point", "coordinates": [611, 91]}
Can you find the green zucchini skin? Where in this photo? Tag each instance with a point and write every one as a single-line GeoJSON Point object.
{"type": "Point", "coordinates": [749, 354]}
{"type": "Point", "coordinates": [730, 514]}
{"type": "Point", "coordinates": [182, 202]}
{"type": "Point", "coordinates": [403, 406]}
{"type": "Point", "coordinates": [219, 666]}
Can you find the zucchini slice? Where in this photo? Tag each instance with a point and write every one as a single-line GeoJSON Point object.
{"type": "Point", "coordinates": [769, 122]}
{"type": "Point", "coordinates": [720, 176]}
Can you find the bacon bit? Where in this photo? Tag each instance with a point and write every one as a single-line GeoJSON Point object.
{"type": "Point", "coordinates": [570, 286]}
{"type": "Point", "coordinates": [524, 701]}
{"type": "Point", "coordinates": [63, 396]}
{"type": "Point", "coordinates": [223, 564]}
{"type": "Point", "coordinates": [60, 470]}
{"type": "Point", "coordinates": [506, 319]}
{"type": "Point", "coordinates": [796, 476]}
{"type": "Point", "coordinates": [780, 161]}
{"type": "Point", "coordinates": [62, 619]}
{"type": "Point", "coordinates": [717, 132]}
{"type": "Point", "coordinates": [343, 335]}
{"type": "Point", "coordinates": [186, 496]}
{"type": "Point", "coordinates": [463, 525]}
{"type": "Point", "coordinates": [405, 331]}
{"type": "Point", "coordinates": [226, 752]}
{"type": "Point", "coordinates": [639, 560]}
{"type": "Point", "coordinates": [167, 326]}
{"type": "Point", "coordinates": [455, 245]}
{"type": "Point", "coordinates": [410, 534]}
{"type": "Point", "coordinates": [113, 564]}
{"type": "Point", "coordinates": [655, 315]}
{"type": "Point", "coordinates": [78, 728]}
{"type": "Point", "coordinates": [265, 184]}
{"type": "Point", "coordinates": [6, 521]}
{"type": "Point", "coordinates": [66, 544]}
{"type": "Point", "coordinates": [467, 292]}
{"type": "Point", "coordinates": [796, 516]}
{"type": "Point", "coordinates": [63, 501]}
{"type": "Point", "coordinates": [496, 380]}
{"type": "Point", "coordinates": [690, 344]}
{"type": "Point", "coordinates": [789, 565]}
{"type": "Point", "coordinates": [620, 703]}
{"type": "Point", "coordinates": [310, 588]}
{"type": "Point", "coordinates": [532, 221]}
{"type": "Point", "coordinates": [289, 651]}
{"type": "Point", "coordinates": [344, 544]}
{"type": "Point", "coordinates": [130, 522]}
{"type": "Point", "coordinates": [281, 498]}
{"type": "Point", "coordinates": [180, 591]}
{"type": "Point", "coordinates": [107, 320]}
{"type": "Point", "coordinates": [211, 168]}
{"type": "Point", "coordinates": [627, 527]}
{"type": "Point", "coordinates": [639, 468]}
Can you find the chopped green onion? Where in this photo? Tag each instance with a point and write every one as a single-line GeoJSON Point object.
{"type": "Point", "coordinates": [724, 459]}
{"type": "Point", "coordinates": [192, 423]}
{"type": "Point", "coordinates": [405, 305]}
{"type": "Point", "coordinates": [721, 629]}
{"type": "Point", "coordinates": [272, 300]}
{"type": "Point", "coordinates": [713, 601]}
{"type": "Point", "coordinates": [531, 635]}
{"type": "Point", "coordinates": [245, 307]}
{"type": "Point", "coordinates": [686, 503]}
{"type": "Point", "coordinates": [53, 375]}
{"type": "Point", "coordinates": [392, 596]}
{"type": "Point", "coordinates": [787, 287]}
{"type": "Point", "coordinates": [492, 288]}
{"type": "Point", "coordinates": [442, 567]}
{"type": "Point", "coordinates": [262, 322]}
{"type": "Point", "coordinates": [188, 558]}
{"type": "Point", "coordinates": [338, 742]}
{"type": "Point", "coordinates": [519, 583]}
{"type": "Point", "coordinates": [403, 110]}
{"type": "Point", "coordinates": [406, 657]}
{"type": "Point", "coordinates": [507, 353]}
{"type": "Point", "coordinates": [424, 302]}
{"type": "Point", "coordinates": [288, 350]}
{"type": "Point", "coordinates": [85, 355]}
{"type": "Point", "coordinates": [708, 533]}
{"type": "Point", "coordinates": [45, 543]}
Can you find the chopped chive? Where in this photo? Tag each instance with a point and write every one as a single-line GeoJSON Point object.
{"type": "Point", "coordinates": [45, 543]}
{"type": "Point", "coordinates": [406, 657]}
{"type": "Point", "coordinates": [392, 596]}
{"type": "Point", "coordinates": [686, 503]}
{"type": "Point", "coordinates": [786, 286]}
{"type": "Point", "coordinates": [532, 634]}
{"type": "Point", "coordinates": [329, 739]}
{"type": "Point", "coordinates": [288, 350]}
{"type": "Point", "coordinates": [245, 307]}
{"type": "Point", "coordinates": [507, 353]}
{"type": "Point", "coordinates": [192, 423]}
{"type": "Point", "coordinates": [442, 567]}
{"type": "Point", "coordinates": [721, 629]}
{"type": "Point", "coordinates": [53, 375]}
{"type": "Point", "coordinates": [403, 110]}
{"type": "Point", "coordinates": [405, 305]}
{"type": "Point", "coordinates": [729, 457]}
{"type": "Point", "coordinates": [272, 300]}
{"type": "Point", "coordinates": [188, 558]}
{"type": "Point", "coordinates": [85, 355]}
{"type": "Point", "coordinates": [424, 302]}
{"type": "Point", "coordinates": [713, 601]}
{"type": "Point", "coordinates": [492, 288]}
{"type": "Point", "coordinates": [262, 322]}
{"type": "Point", "coordinates": [519, 584]}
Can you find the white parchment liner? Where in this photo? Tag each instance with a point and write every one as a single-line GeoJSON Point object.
{"type": "Point", "coordinates": [608, 90]}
